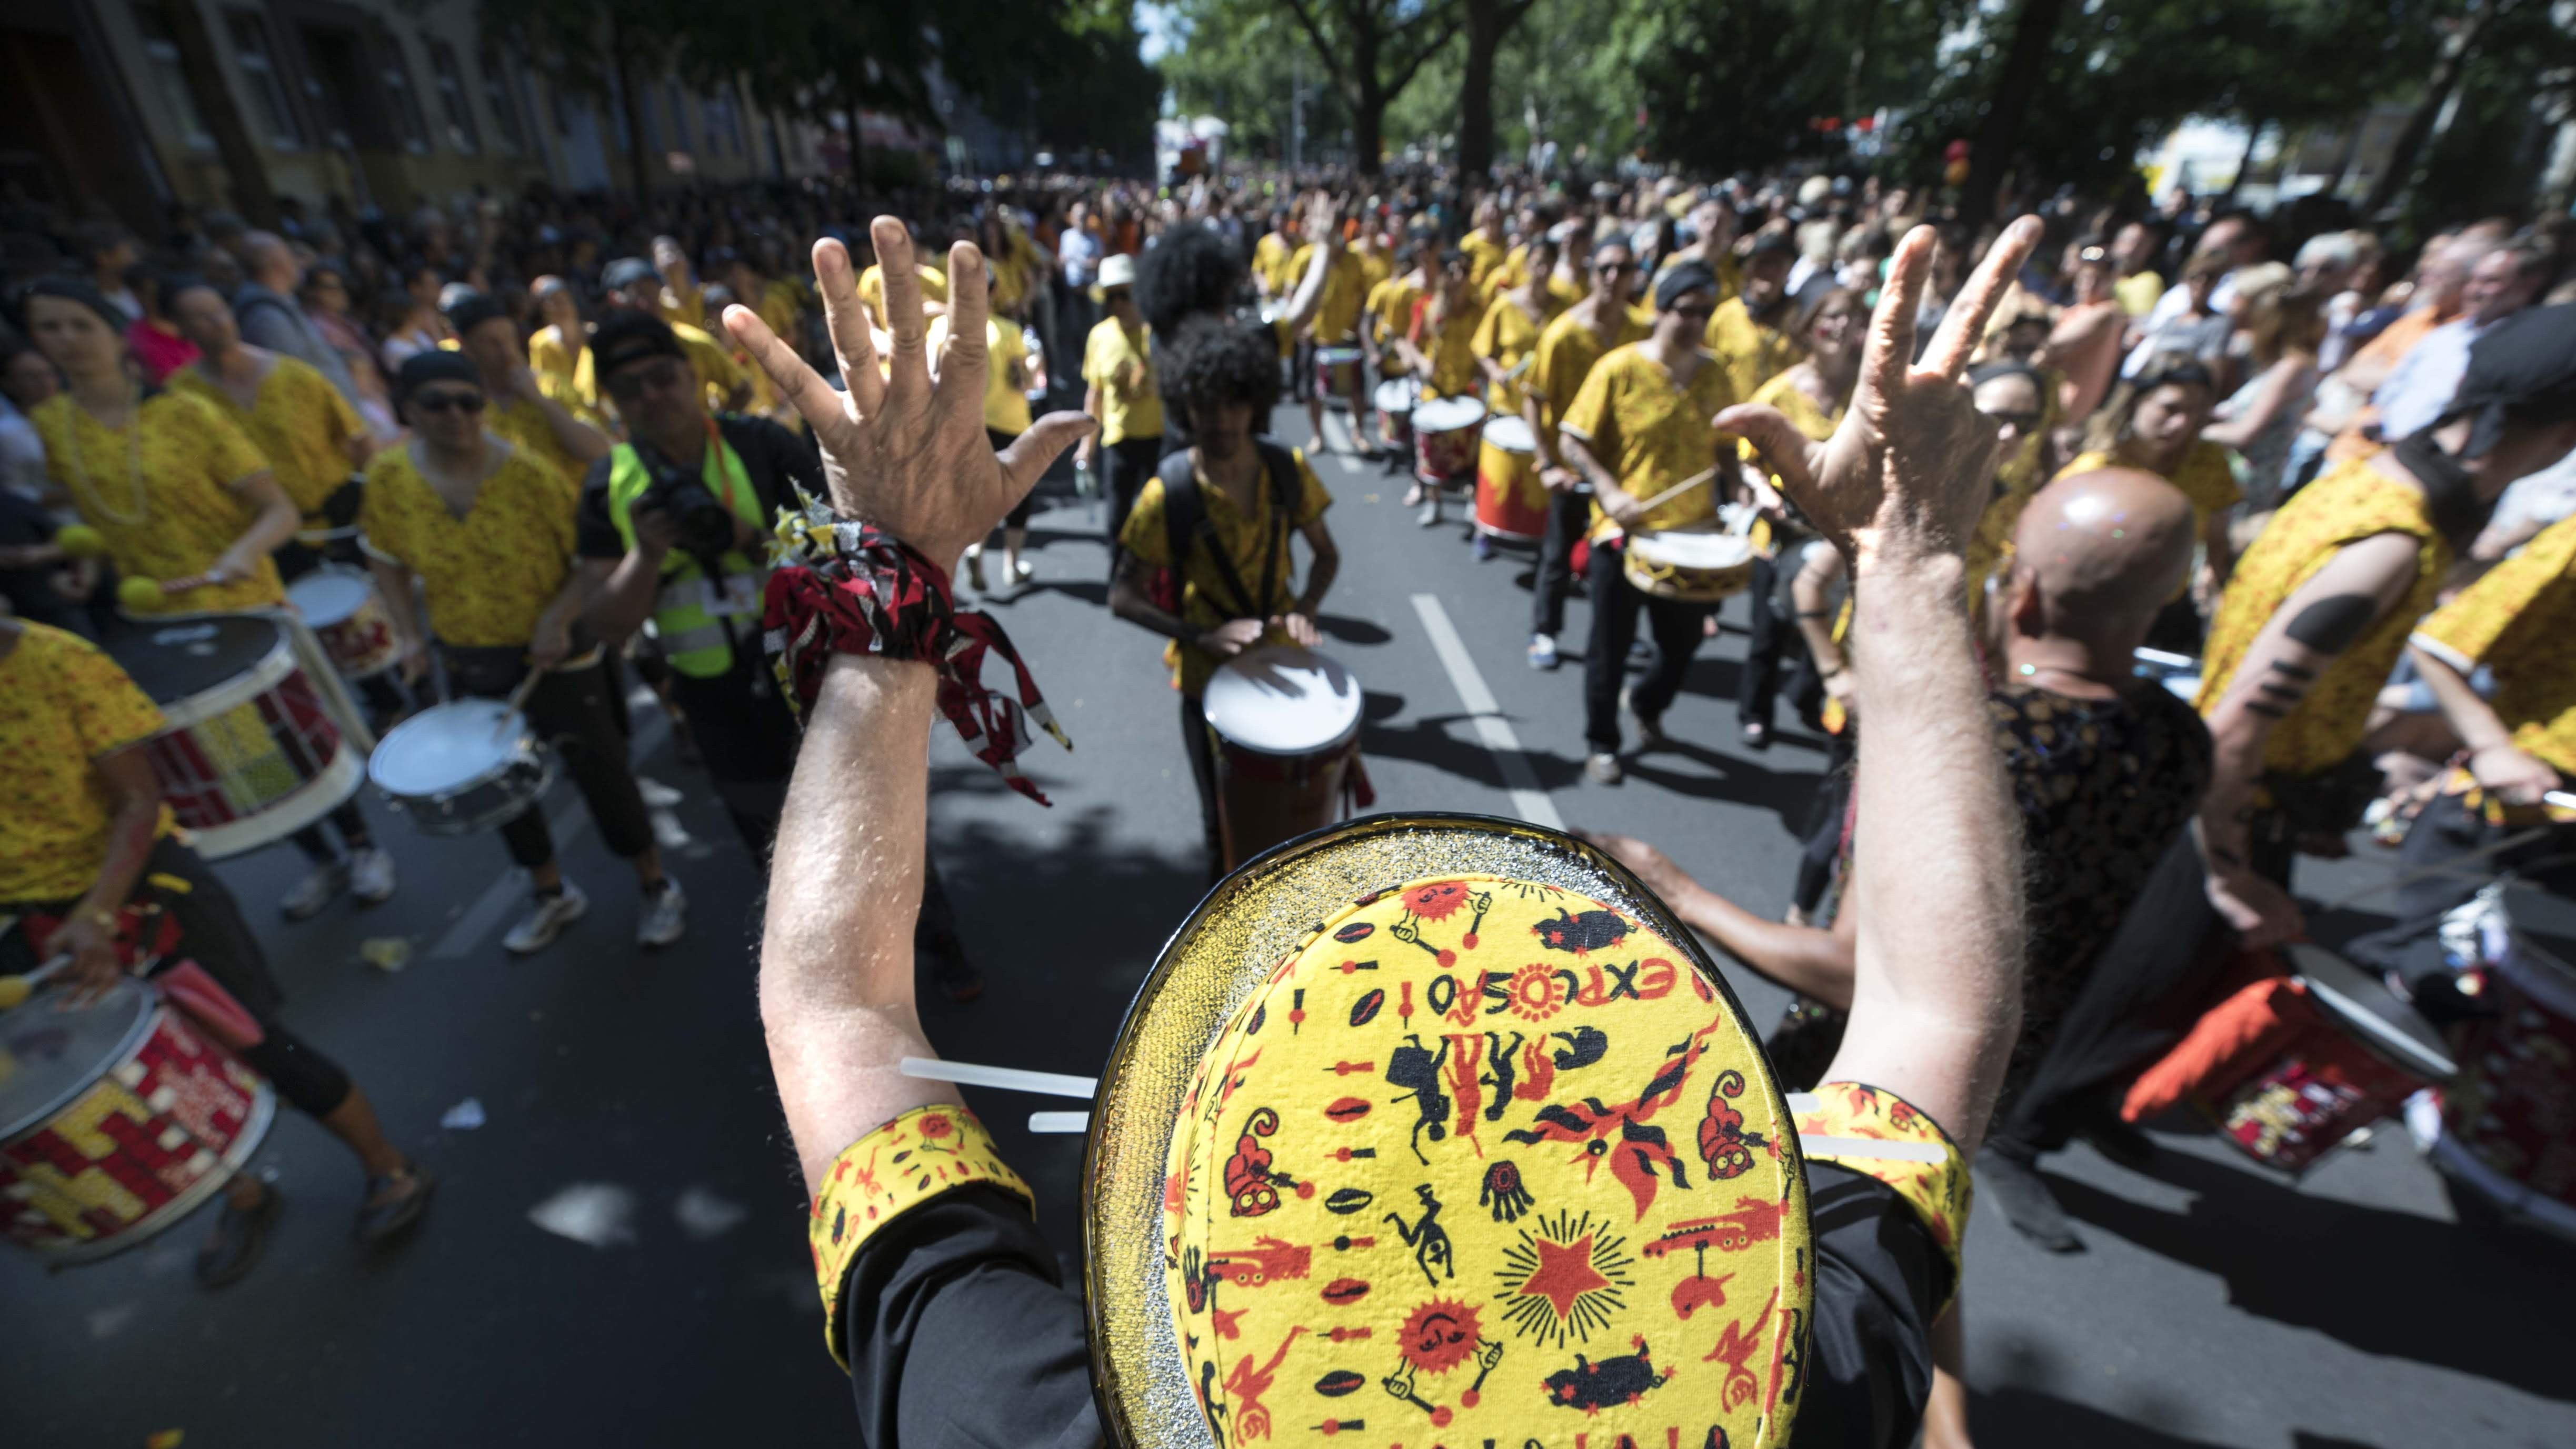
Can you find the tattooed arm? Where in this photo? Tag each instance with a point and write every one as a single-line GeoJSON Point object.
{"type": "Point", "coordinates": [2498, 763]}
{"type": "Point", "coordinates": [2326, 616]}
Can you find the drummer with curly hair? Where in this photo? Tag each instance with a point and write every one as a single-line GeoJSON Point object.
{"type": "Point", "coordinates": [92, 868]}
{"type": "Point", "coordinates": [1207, 560]}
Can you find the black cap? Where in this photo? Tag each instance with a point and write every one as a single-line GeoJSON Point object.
{"type": "Point", "coordinates": [1679, 281]}
{"type": "Point", "coordinates": [473, 310]}
{"type": "Point", "coordinates": [437, 364]}
{"type": "Point", "coordinates": [631, 337]}
{"type": "Point", "coordinates": [2523, 368]}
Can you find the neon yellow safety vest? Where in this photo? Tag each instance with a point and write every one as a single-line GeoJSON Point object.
{"type": "Point", "coordinates": [687, 622]}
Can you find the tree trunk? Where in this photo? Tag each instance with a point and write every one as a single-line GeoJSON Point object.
{"type": "Point", "coordinates": [2000, 132]}
{"type": "Point", "coordinates": [246, 181]}
{"type": "Point", "coordinates": [1485, 26]}
{"type": "Point", "coordinates": [1368, 103]}
{"type": "Point", "coordinates": [857, 152]}
{"type": "Point", "coordinates": [2456, 53]}
{"type": "Point", "coordinates": [1852, 108]}
{"type": "Point", "coordinates": [638, 165]}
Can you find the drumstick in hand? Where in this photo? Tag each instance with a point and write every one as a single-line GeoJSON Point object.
{"type": "Point", "coordinates": [518, 700]}
{"type": "Point", "coordinates": [1678, 489]}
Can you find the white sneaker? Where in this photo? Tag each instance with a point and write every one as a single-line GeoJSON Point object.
{"type": "Point", "coordinates": [538, 929]}
{"type": "Point", "coordinates": [315, 891]}
{"type": "Point", "coordinates": [1542, 651]}
{"type": "Point", "coordinates": [1020, 570]}
{"type": "Point", "coordinates": [665, 915]}
{"type": "Point", "coordinates": [371, 875]}
{"type": "Point", "coordinates": [655, 793]}
{"type": "Point", "coordinates": [1605, 768]}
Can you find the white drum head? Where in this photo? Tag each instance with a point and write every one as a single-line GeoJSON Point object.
{"type": "Point", "coordinates": [1396, 395]}
{"type": "Point", "coordinates": [328, 595]}
{"type": "Point", "coordinates": [446, 747]}
{"type": "Point", "coordinates": [56, 1054]}
{"type": "Point", "coordinates": [1283, 700]}
{"type": "Point", "coordinates": [1337, 354]}
{"type": "Point", "coordinates": [1443, 414]}
{"type": "Point", "coordinates": [1690, 550]}
{"type": "Point", "coordinates": [1511, 433]}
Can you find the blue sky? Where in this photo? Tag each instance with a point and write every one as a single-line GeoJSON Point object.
{"type": "Point", "coordinates": [1155, 23]}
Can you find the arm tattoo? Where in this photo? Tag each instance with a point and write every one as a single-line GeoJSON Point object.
{"type": "Point", "coordinates": [2294, 671]}
{"type": "Point", "coordinates": [2268, 711]}
{"type": "Point", "coordinates": [2331, 625]}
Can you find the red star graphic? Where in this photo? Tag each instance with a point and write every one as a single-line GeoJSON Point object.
{"type": "Point", "coordinates": [1564, 1274]}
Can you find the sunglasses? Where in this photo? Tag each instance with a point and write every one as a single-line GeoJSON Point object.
{"type": "Point", "coordinates": [1116, 294]}
{"type": "Point", "coordinates": [448, 402]}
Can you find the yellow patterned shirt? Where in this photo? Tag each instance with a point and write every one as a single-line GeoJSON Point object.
{"type": "Point", "coordinates": [1793, 403]}
{"type": "Point", "coordinates": [1121, 364]}
{"type": "Point", "coordinates": [1651, 435]}
{"type": "Point", "coordinates": [2520, 622]}
{"type": "Point", "coordinates": [1754, 352]}
{"type": "Point", "coordinates": [1484, 253]}
{"type": "Point", "coordinates": [1345, 293]}
{"type": "Point", "coordinates": [161, 490]}
{"type": "Point", "coordinates": [1506, 336]}
{"type": "Point", "coordinates": [523, 425]}
{"type": "Point", "coordinates": [490, 574]}
{"type": "Point", "coordinates": [1452, 350]}
{"type": "Point", "coordinates": [1567, 351]}
{"type": "Point", "coordinates": [299, 420]}
{"type": "Point", "coordinates": [2351, 502]}
{"type": "Point", "coordinates": [63, 703]}
{"type": "Point", "coordinates": [1006, 401]}
{"type": "Point", "coordinates": [549, 355]}
{"type": "Point", "coordinates": [1240, 535]}
{"type": "Point", "coordinates": [1390, 303]}
{"type": "Point", "coordinates": [684, 306]}
{"type": "Point", "coordinates": [1270, 263]}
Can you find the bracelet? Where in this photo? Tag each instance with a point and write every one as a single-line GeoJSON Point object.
{"type": "Point", "coordinates": [846, 587]}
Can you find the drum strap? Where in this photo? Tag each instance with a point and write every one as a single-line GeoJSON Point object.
{"type": "Point", "coordinates": [1185, 525]}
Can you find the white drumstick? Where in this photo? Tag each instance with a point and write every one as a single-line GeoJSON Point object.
{"type": "Point", "coordinates": [1074, 1123]}
{"type": "Point", "coordinates": [1678, 489]}
{"type": "Point", "coordinates": [1009, 1079]}
{"type": "Point", "coordinates": [1520, 367]}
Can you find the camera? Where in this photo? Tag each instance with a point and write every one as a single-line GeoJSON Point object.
{"type": "Point", "coordinates": [705, 525]}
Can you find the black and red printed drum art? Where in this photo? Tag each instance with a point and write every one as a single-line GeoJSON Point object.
{"type": "Point", "coordinates": [2509, 1126]}
{"type": "Point", "coordinates": [2353, 1054]}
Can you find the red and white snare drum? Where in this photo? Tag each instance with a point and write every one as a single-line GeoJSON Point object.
{"type": "Point", "coordinates": [2349, 1054]}
{"type": "Point", "coordinates": [2509, 1127]}
{"type": "Point", "coordinates": [1337, 375]}
{"type": "Point", "coordinates": [1511, 504]}
{"type": "Point", "coordinates": [116, 1121]}
{"type": "Point", "coordinates": [355, 627]}
{"type": "Point", "coordinates": [1395, 398]}
{"type": "Point", "coordinates": [249, 754]}
{"type": "Point", "coordinates": [1445, 432]}
{"type": "Point", "coordinates": [1286, 726]}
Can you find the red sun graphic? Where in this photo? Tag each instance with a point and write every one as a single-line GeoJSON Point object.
{"type": "Point", "coordinates": [1439, 1335]}
{"type": "Point", "coordinates": [1436, 901]}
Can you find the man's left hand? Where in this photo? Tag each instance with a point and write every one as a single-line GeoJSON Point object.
{"type": "Point", "coordinates": [1300, 629]}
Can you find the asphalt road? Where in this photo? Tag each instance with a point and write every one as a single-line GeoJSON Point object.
{"type": "Point", "coordinates": [626, 1094]}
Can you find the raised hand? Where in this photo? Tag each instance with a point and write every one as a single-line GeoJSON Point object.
{"type": "Point", "coordinates": [1905, 476]}
{"type": "Point", "coordinates": [900, 451]}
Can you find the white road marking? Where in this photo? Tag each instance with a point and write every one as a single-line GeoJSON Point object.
{"type": "Point", "coordinates": [567, 823]}
{"type": "Point", "coordinates": [1493, 731]}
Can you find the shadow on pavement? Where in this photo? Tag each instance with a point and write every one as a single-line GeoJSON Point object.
{"type": "Point", "coordinates": [2019, 1416]}
{"type": "Point", "coordinates": [1789, 794]}
{"type": "Point", "coordinates": [1428, 741]}
{"type": "Point", "coordinates": [1344, 629]}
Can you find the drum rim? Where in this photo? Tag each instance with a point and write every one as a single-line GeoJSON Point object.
{"type": "Point", "coordinates": [1510, 424]}
{"type": "Point", "coordinates": [2378, 1035]}
{"type": "Point", "coordinates": [1473, 417]}
{"type": "Point", "coordinates": [148, 1007]}
{"type": "Point", "coordinates": [262, 677]}
{"type": "Point", "coordinates": [516, 745]}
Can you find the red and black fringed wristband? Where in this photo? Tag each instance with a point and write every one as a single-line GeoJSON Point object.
{"type": "Point", "coordinates": [844, 587]}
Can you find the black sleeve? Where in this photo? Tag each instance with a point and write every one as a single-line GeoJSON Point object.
{"type": "Point", "coordinates": [594, 531]}
{"type": "Point", "coordinates": [959, 1330]}
{"type": "Point", "coordinates": [778, 460]}
{"type": "Point", "coordinates": [1879, 1280]}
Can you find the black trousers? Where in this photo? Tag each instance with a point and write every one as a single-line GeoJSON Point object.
{"type": "Point", "coordinates": [1823, 843]}
{"type": "Point", "coordinates": [1124, 467]}
{"type": "Point", "coordinates": [1776, 659]}
{"type": "Point", "coordinates": [2444, 833]}
{"type": "Point", "coordinates": [1301, 369]}
{"type": "Point", "coordinates": [577, 712]}
{"type": "Point", "coordinates": [1615, 605]}
{"type": "Point", "coordinates": [1202, 756]}
{"type": "Point", "coordinates": [1568, 514]}
{"type": "Point", "coordinates": [212, 933]}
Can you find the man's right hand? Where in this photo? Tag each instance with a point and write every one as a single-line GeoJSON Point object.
{"type": "Point", "coordinates": [92, 947]}
{"type": "Point", "coordinates": [656, 532]}
{"type": "Point", "coordinates": [1623, 507]}
{"type": "Point", "coordinates": [2515, 776]}
{"type": "Point", "coordinates": [1228, 639]}
{"type": "Point", "coordinates": [1559, 479]}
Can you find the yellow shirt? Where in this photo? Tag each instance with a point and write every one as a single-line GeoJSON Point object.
{"type": "Point", "coordinates": [2204, 477]}
{"type": "Point", "coordinates": [1346, 288]}
{"type": "Point", "coordinates": [1006, 403]}
{"type": "Point", "coordinates": [1270, 263]}
{"type": "Point", "coordinates": [550, 355]}
{"type": "Point", "coordinates": [1730, 274]}
{"type": "Point", "coordinates": [1121, 364]}
{"type": "Point", "coordinates": [1375, 267]}
{"type": "Point", "coordinates": [2350, 503]}
{"type": "Point", "coordinates": [685, 306]}
{"type": "Point", "coordinates": [1484, 253]}
{"type": "Point", "coordinates": [1390, 309]}
{"type": "Point", "coordinates": [1753, 352]}
{"type": "Point", "coordinates": [1567, 351]}
{"type": "Point", "coordinates": [934, 288]}
{"type": "Point", "coordinates": [779, 308]}
{"type": "Point", "coordinates": [63, 704]}
{"type": "Point", "coordinates": [1801, 411]}
{"type": "Point", "coordinates": [1452, 350]}
{"type": "Point", "coordinates": [299, 420]}
{"type": "Point", "coordinates": [1240, 535]}
{"type": "Point", "coordinates": [1507, 335]}
{"type": "Point", "coordinates": [490, 574]}
{"type": "Point", "coordinates": [2520, 621]}
{"type": "Point", "coordinates": [162, 491]}
{"type": "Point", "coordinates": [2139, 294]}
{"type": "Point", "coordinates": [1651, 435]}
{"type": "Point", "coordinates": [523, 425]}
{"type": "Point", "coordinates": [712, 361]}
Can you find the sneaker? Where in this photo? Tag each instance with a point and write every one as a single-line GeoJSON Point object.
{"type": "Point", "coordinates": [315, 891]}
{"type": "Point", "coordinates": [975, 568]}
{"type": "Point", "coordinates": [1542, 651]}
{"type": "Point", "coordinates": [238, 1240]}
{"type": "Point", "coordinates": [538, 929]}
{"type": "Point", "coordinates": [1430, 515]}
{"type": "Point", "coordinates": [1413, 496]}
{"type": "Point", "coordinates": [1604, 768]}
{"type": "Point", "coordinates": [1484, 548]}
{"type": "Point", "coordinates": [1650, 727]}
{"type": "Point", "coordinates": [371, 875]}
{"type": "Point", "coordinates": [656, 794]}
{"type": "Point", "coordinates": [1019, 570]}
{"type": "Point", "coordinates": [666, 915]}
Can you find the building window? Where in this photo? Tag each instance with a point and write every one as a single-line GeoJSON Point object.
{"type": "Point", "coordinates": [450, 80]}
{"type": "Point", "coordinates": [253, 53]}
{"type": "Point", "coordinates": [170, 78]}
{"type": "Point", "coordinates": [396, 74]}
{"type": "Point", "coordinates": [503, 102]}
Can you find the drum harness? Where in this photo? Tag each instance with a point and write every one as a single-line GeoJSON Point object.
{"type": "Point", "coordinates": [1185, 522]}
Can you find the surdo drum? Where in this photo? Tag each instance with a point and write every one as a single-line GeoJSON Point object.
{"type": "Point", "coordinates": [1511, 503]}
{"type": "Point", "coordinates": [463, 767]}
{"type": "Point", "coordinates": [1395, 398]}
{"type": "Point", "coordinates": [1445, 432]}
{"type": "Point", "coordinates": [1698, 565]}
{"type": "Point", "coordinates": [353, 625]}
{"type": "Point", "coordinates": [1337, 374]}
{"type": "Point", "coordinates": [2348, 1054]}
{"type": "Point", "coordinates": [1285, 724]}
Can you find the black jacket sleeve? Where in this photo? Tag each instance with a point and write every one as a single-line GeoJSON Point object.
{"type": "Point", "coordinates": [594, 531]}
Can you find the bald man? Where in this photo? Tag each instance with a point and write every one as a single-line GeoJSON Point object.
{"type": "Point", "coordinates": [2106, 767]}
{"type": "Point", "coordinates": [268, 314]}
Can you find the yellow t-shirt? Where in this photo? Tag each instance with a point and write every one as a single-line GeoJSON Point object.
{"type": "Point", "coordinates": [684, 306]}
{"type": "Point", "coordinates": [161, 490]}
{"type": "Point", "coordinates": [1390, 310]}
{"type": "Point", "coordinates": [2139, 294]}
{"type": "Point", "coordinates": [2520, 621]}
{"type": "Point", "coordinates": [1505, 336]}
{"type": "Point", "coordinates": [1452, 350]}
{"type": "Point", "coordinates": [1121, 364]}
{"type": "Point", "coordinates": [1375, 267]}
{"type": "Point", "coordinates": [1006, 404]}
{"type": "Point", "coordinates": [1240, 535]}
{"type": "Point", "coordinates": [1753, 352]}
{"type": "Point", "coordinates": [2350, 503]}
{"type": "Point", "coordinates": [934, 288]}
{"type": "Point", "coordinates": [490, 574]}
{"type": "Point", "coordinates": [1270, 263]}
{"type": "Point", "coordinates": [63, 703]}
{"type": "Point", "coordinates": [779, 308]}
{"type": "Point", "coordinates": [1345, 291]}
{"type": "Point", "coordinates": [1651, 435]}
{"type": "Point", "coordinates": [523, 425]}
{"type": "Point", "coordinates": [1567, 352]}
{"type": "Point", "coordinates": [1484, 253]}
{"type": "Point", "coordinates": [299, 420]}
{"type": "Point", "coordinates": [712, 361]}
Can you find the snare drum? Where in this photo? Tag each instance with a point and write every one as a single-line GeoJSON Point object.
{"type": "Point", "coordinates": [355, 627]}
{"type": "Point", "coordinates": [2509, 1126]}
{"type": "Point", "coordinates": [1337, 374]}
{"type": "Point", "coordinates": [115, 1121]}
{"type": "Point", "coordinates": [1445, 432]}
{"type": "Point", "coordinates": [1395, 398]}
{"type": "Point", "coordinates": [462, 767]}
{"type": "Point", "coordinates": [249, 753]}
{"type": "Point", "coordinates": [1511, 504]}
{"type": "Point", "coordinates": [2353, 1053]}
{"type": "Point", "coordinates": [1699, 565]}
{"type": "Point", "coordinates": [1285, 723]}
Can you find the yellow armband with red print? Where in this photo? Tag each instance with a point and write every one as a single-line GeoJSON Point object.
{"type": "Point", "coordinates": [1878, 1134]}
{"type": "Point", "coordinates": [916, 1157]}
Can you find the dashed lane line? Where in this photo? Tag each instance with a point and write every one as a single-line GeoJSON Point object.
{"type": "Point", "coordinates": [1494, 732]}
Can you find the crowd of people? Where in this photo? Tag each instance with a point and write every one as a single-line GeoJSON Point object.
{"type": "Point", "coordinates": [2323, 477]}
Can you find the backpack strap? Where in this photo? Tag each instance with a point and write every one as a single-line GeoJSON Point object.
{"type": "Point", "coordinates": [1184, 512]}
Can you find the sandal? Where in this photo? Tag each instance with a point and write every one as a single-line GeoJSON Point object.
{"type": "Point", "coordinates": [379, 1218]}
{"type": "Point", "coordinates": [239, 1238]}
